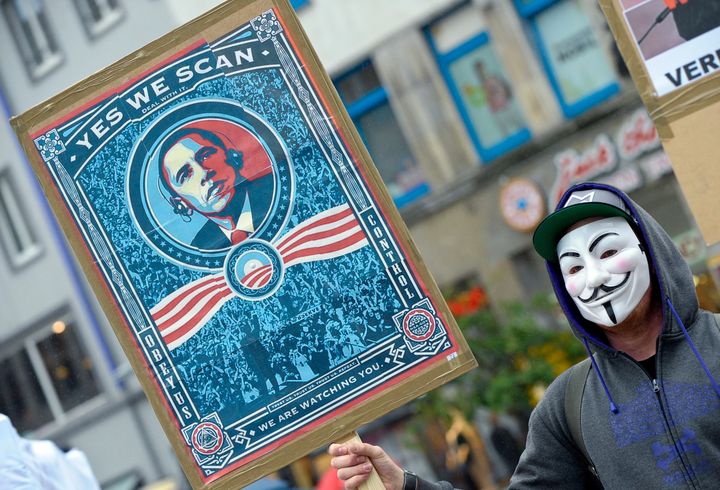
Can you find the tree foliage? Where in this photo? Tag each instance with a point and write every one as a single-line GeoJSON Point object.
{"type": "Point", "coordinates": [519, 353]}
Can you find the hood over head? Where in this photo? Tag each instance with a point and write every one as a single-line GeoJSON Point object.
{"type": "Point", "coordinates": [673, 279]}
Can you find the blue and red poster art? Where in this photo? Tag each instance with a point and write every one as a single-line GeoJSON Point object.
{"type": "Point", "coordinates": [262, 283]}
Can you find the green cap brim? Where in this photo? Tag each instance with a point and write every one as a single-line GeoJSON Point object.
{"type": "Point", "coordinates": [552, 228]}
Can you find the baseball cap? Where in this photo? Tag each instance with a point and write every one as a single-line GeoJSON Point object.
{"type": "Point", "coordinates": [580, 204]}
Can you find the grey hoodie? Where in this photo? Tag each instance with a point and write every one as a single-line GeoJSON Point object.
{"type": "Point", "coordinates": [640, 433]}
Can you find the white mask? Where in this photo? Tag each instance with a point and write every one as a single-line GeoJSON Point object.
{"type": "Point", "coordinates": [605, 271]}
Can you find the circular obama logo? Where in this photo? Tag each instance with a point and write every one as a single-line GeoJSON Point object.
{"type": "Point", "coordinates": [205, 176]}
{"type": "Point", "coordinates": [254, 270]}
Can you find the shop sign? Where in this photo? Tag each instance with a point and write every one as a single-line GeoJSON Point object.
{"type": "Point", "coordinates": [522, 204]}
{"type": "Point", "coordinates": [626, 179]}
{"type": "Point", "coordinates": [636, 137]}
{"type": "Point", "coordinates": [573, 166]}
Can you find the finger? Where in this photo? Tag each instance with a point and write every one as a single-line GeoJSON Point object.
{"type": "Point", "coordinates": [338, 449]}
{"type": "Point", "coordinates": [347, 461]}
{"type": "Point", "coordinates": [356, 481]}
{"type": "Point", "coordinates": [365, 449]}
{"type": "Point", "coordinates": [350, 472]}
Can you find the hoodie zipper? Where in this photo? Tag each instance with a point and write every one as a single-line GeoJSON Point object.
{"type": "Point", "coordinates": [668, 427]}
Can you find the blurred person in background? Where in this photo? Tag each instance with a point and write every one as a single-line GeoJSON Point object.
{"type": "Point", "coordinates": [649, 400]}
{"type": "Point", "coordinates": [506, 445]}
{"type": "Point", "coordinates": [35, 465]}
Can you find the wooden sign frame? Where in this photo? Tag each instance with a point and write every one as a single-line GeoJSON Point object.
{"type": "Point", "coordinates": [319, 317]}
{"type": "Point", "coordinates": [687, 117]}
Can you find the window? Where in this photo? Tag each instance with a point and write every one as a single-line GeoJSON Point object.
{"type": "Point", "coordinates": [478, 82]}
{"type": "Point", "coordinates": [296, 4]}
{"type": "Point", "coordinates": [46, 377]}
{"type": "Point", "coordinates": [16, 233]}
{"type": "Point", "coordinates": [35, 41]}
{"type": "Point", "coordinates": [99, 15]}
{"type": "Point", "coordinates": [579, 69]}
{"type": "Point", "coordinates": [367, 104]}
{"type": "Point", "coordinates": [527, 8]}
{"type": "Point", "coordinates": [21, 396]}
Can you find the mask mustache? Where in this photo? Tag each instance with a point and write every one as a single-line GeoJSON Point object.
{"type": "Point", "coordinates": [605, 289]}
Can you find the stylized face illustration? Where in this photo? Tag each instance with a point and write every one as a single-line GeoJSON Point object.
{"type": "Point", "coordinates": [197, 170]}
{"type": "Point", "coordinates": [606, 272]}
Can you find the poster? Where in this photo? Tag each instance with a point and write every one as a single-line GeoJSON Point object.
{"type": "Point", "coordinates": [678, 40]}
{"type": "Point", "coordinates": [578, 64]}
{"type": "Point", "coordinates": [260, 282]}
{"type": "Point", "coordinates": [676, 74]}
{"type": "Point", "coordinates": [487, 96]}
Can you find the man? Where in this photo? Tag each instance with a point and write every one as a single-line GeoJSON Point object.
{"type": "Point", "coordinates": [202, 174]}
{"type": "Point", "coordinates": [650, 407]}
{"type": "Point", "coordinates": [499, 99]}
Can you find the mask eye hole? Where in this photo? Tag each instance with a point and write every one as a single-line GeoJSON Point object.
{"type": "Point", "coordinates": [575, 269]}
{"type": "Point", "coordinates": [608, 253]}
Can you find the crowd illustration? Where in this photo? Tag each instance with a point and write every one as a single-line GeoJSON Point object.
{"type": "Point", "coordinates": [324, 313]}
{"type": "Point", "coordinates": [270, 348]}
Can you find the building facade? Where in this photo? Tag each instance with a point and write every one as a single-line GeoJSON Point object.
{"type": "Point", "coordinates": [478, 114]}
{"type": "Point", "coordinates": [490, 110]}
{"type": "Point", "coordinates": [63, 374]}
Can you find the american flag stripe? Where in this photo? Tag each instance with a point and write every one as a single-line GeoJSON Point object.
{"type": "Point", "coordinates": [168, 303]}
{"type": "Point", "coordinates": [248, 280]}
{"type": "Point", "coordinates": [262, 280]}
{"type": "Point", "coordinates": [326, 232]}
{"type": "Point", "coordinates": [325, 242]}
{"type": "Point", "coordinates": [312, 254]}
{"type": "Point", "coordinates": [300, 258]}
{"type": "Point", "coordinates": [191, 308]}
{"type": "Point", "coordinates": [332, 228]}
{"type": "Point", "coordinates": [328, 251]}
{"type": "Point", "coordinates": [330, 216]}
{"type": "Point", "coordinates": [320, 239]}
{"type": "Point", "coordinates": [339, 221]}
{"type": "Point", "coordinates": [329, 234]}
{"type": "Point", "coordinates": [186, 329]}
{"type": "Point", "coordinates": [181, 303]}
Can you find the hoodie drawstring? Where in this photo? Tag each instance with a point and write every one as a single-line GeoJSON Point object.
{"type": "Point", "coordinates": [613, 407]}
{"type": "Point", "coordinates": [692, 346]}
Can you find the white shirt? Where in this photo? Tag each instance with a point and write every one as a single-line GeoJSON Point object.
{"type": "Point", "coordinates": [245, 221]}
{"type": "Point", "coordinates": [40, 465]}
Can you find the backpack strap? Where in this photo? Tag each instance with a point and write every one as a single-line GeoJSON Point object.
{"type": "Point", "coordinates": [573, 406]}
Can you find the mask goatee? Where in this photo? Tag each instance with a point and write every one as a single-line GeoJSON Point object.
{"type": "Point", "coordinates": [610, 313]}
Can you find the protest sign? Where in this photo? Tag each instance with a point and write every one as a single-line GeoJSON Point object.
{"type": "Point", "coordinates": [672, 49]}
{"type": "Point", "coordinates": [241, 243]}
